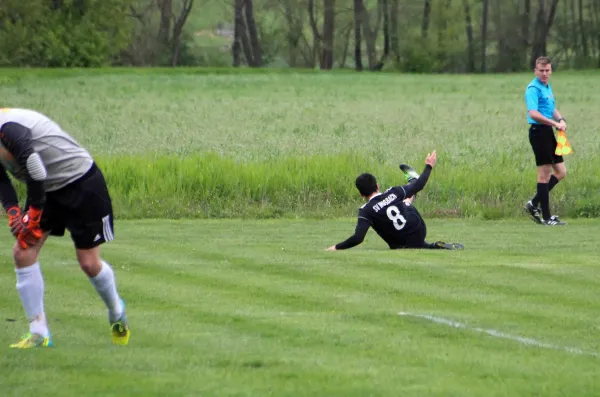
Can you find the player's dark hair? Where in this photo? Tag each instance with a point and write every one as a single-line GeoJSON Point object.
{"type": "Point", "coordinates": [366, 184]}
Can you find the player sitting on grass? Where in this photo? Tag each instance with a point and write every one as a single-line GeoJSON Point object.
{"type": "Point", "coordinates": [391, 213]}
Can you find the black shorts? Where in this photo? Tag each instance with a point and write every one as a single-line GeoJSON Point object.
{"type": "Point", "coordinates": [415, 238]}
{"type": "Point", "coordinates": [543, 143]}
{"type": "Point", "coordinates": [84, 208]}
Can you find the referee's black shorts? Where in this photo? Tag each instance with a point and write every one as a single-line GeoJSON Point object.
{"type": "Point", "coordinates": [543, 143]}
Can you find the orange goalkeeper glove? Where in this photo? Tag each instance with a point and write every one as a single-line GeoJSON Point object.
{"type": "Point", "coordinates": [31, 232]}
{"type": "Point", "coordinates": [15, 221]}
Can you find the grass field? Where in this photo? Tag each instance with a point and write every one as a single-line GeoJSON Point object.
{"type": "Point", "coordinates": [255, 307]}
{"type": "Point", "coordinates": [218, 310]}
{"type": "Point", "coordinates": [292, 143]}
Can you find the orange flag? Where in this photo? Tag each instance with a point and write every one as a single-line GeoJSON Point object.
{"type": "Point", "coordinates": [562, 146]}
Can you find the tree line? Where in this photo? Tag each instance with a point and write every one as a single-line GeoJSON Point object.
{"type": "Point", "coordinates": [454, 36]}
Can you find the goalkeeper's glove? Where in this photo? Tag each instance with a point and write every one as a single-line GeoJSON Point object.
{"type": "Point", "coordinates": [15, 221]}
{"type": "Point", "coordinates": [31, 232]}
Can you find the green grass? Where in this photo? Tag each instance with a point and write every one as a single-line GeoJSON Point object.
{"type": "Point", "coordinates": [246, 307]}
{"type": "Point", "coordinates": [255, 308]}
{"type": "Point", "coordinates": [334, 126]}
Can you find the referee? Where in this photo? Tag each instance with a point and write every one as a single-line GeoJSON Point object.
{"type": "Point", "coordinates": [542, 115]}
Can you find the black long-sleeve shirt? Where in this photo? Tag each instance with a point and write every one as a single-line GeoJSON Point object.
{"type": "Point", "coordinates": [387, 214]}
{"type": "Point", "coordinates": [16, 139]}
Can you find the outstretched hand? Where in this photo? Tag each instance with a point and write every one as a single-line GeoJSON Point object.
{"type": "Point", "coordinates": [431, 159]}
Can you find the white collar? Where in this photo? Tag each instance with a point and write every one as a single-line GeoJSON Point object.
{"type": "Point", "coordinates": [378, 194]}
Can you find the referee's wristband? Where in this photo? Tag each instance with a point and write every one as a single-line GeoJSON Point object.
{"type": "Point", "coordinates": [561, 119]}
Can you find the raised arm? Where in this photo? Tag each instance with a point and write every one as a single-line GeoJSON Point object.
{"type": "Point", "coordinates": [417, 185]}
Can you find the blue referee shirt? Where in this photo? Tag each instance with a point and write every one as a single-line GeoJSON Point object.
{"type": "Point", "coordinates": [539, 97]}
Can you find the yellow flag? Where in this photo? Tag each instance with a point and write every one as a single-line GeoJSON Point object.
{"type": "Point", "coordinates": [563, 147]}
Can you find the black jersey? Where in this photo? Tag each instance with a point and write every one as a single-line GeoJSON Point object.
{"type": "Point", "coordinates": [399, 224]}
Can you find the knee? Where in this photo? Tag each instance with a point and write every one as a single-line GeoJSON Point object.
{"type": "Point", "coordinates": [544, 175]}
{"type": "Point", "coordinates": [24, 257]}
{"type": "Point", "coordinates": [561, 174]}
{"type": "Point", "coordinates": [89, 261]}
{"type": "Point", "coordinates": [90, 268]}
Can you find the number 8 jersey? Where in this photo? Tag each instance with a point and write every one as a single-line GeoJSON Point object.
{"type": "Point", "coordinates": [397, 222]}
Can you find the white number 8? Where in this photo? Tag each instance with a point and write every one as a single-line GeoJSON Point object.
{"type": "Point", "coordinates": [396, 217]}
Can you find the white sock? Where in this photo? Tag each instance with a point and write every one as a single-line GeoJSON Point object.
{"type": "Point", "coordinates": [104, 282]}
{"type": "Point", "coordinates": [30, 285]}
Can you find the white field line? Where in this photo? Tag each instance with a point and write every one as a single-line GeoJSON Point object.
{"type": "Point", "coordinates": [498, 334]}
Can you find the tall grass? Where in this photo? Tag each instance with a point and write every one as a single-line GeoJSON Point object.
{"type": "Point", "coordinates": [205, 143]}
{"type": "Point", "coordinates": [214, 185]}
{"type": "Point", "coordinates": [211, 185]}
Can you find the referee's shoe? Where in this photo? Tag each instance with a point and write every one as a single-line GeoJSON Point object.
{"type": "Point", "coordinates": [534, 212]}
{"type": "Point", "coordinates": [553, 221]}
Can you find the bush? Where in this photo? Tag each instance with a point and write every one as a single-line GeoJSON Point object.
{"type": "Point", "coordinates": [74, 34]}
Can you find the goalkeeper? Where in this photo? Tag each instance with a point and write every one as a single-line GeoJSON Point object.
{"type": "Point", "coordinates": [391, 213]}
{"type": "Point", "coordinates": [65, 190]}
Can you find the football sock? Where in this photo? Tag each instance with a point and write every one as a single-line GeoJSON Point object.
{"type": "Point", "coordinates": [104, 282]}
{"type": "Point", "coordinates": [553, 181]}
{"type": "Point", "coordinates": [30, 285]}
{"type": "Point", "coordinates": [543, 195]}
{"type": "Point", "coordinates": [432, 246]}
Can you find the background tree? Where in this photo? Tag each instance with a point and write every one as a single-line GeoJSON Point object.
{"type": "Point", "coordinates": [246, 33]}
{"type": "Point", "coordinates": [159, 31]}
{"type": "Point", "coordinates": [323, 40]}
{"type": "Point", "coordinates": [440, 36]}
{"type": "Point", "coordinates": [63, 33]}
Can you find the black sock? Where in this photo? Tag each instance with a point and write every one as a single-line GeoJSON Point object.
{"type": "Point", "coordinates": [543, 195]}
{"type": "Point", "coordinates": [553, 181]}
{"type": "Point", "coordinates": [431, 246]}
